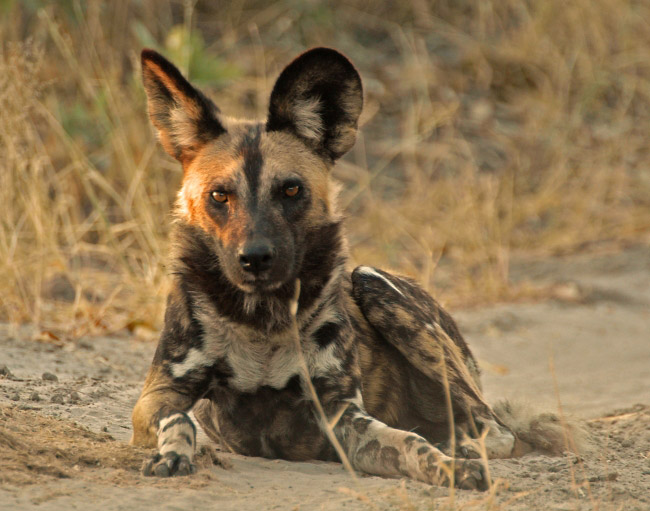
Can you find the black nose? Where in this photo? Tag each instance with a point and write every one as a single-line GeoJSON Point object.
{"type": "Point", "coordinates": [256, 257]}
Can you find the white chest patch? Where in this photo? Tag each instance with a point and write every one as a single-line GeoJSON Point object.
{"type": "Point", "coordinates": [255, 361]}
{"type": "Point", "coordinates": [255, 365]}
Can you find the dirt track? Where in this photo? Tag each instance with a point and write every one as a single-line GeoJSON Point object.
{"type": "Point", "coordinates": [597, 338]}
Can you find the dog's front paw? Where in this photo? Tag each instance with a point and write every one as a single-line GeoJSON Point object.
{"type": "Point", "coordinates": [168, 465]}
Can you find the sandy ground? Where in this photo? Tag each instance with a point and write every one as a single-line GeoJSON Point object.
{"type": "Point", "coordinates": [65, 406]}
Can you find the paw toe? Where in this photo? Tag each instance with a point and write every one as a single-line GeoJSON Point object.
{"type": "Point", "coordinates": [471, 476]}
{"type": "Point", "coordinates": [148, 465]}
{"type": "Point", "coordinates": [185, 467]}
{"type": "Point", "coordinates": [469, 453]}
{"type": "Point", "coordinates": [162, 470]}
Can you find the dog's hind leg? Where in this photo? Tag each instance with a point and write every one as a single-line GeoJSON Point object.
{"type": "Point", "coordinates": [408, 318]}
{"type": "Point", "coordinates": [376, 448]}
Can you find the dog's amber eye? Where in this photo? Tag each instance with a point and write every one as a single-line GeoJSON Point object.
{"type": "Point", "coordinates": [220, 196]}
{"type": "Point", "coordinates": [292, 191]}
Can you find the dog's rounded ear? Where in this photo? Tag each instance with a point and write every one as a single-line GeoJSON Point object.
{"type": "Point", "coordinates": [318, 98]}
{"type": "Point", "coordinates": [183, 116]}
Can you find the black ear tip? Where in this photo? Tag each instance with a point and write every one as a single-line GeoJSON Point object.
{"type": "Point", "coordinates": [148, 55]}
{"type": "Point", "coordinates": [153, 62]}
{"type": "Point", "coordinates": [324, 54]}
{"type": "Point", "coordinates": [324, 50]}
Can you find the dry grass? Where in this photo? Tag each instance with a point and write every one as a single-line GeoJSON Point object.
{"type": "Point", "coordinates": [491, 129]}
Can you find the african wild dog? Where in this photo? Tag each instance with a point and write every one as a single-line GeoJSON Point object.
{"type": "Point", "coordinates": [256, 219]}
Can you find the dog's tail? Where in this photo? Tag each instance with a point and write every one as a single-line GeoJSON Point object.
{"type": "Point", "coordinates": [544, 432]}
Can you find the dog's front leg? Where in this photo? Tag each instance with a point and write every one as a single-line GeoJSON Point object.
{"type": "Point", "coordinates": [375, 448]}
{"type": "Point", "coordinates": [179, 376]}
{"type": "Point", "coordinates": [160, 420]}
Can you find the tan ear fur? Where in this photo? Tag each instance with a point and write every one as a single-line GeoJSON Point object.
{"type": "Point", "coordinates": [184, 118]}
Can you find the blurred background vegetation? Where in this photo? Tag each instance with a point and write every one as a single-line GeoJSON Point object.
{"type": "Point", "coordinates": [492, 130]}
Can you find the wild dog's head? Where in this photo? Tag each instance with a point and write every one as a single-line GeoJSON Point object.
{"type": "Point", "coordinates": [258, 189]}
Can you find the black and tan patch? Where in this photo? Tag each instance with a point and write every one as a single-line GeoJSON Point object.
{"type": "Point", "coordinates": [318, 98]}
